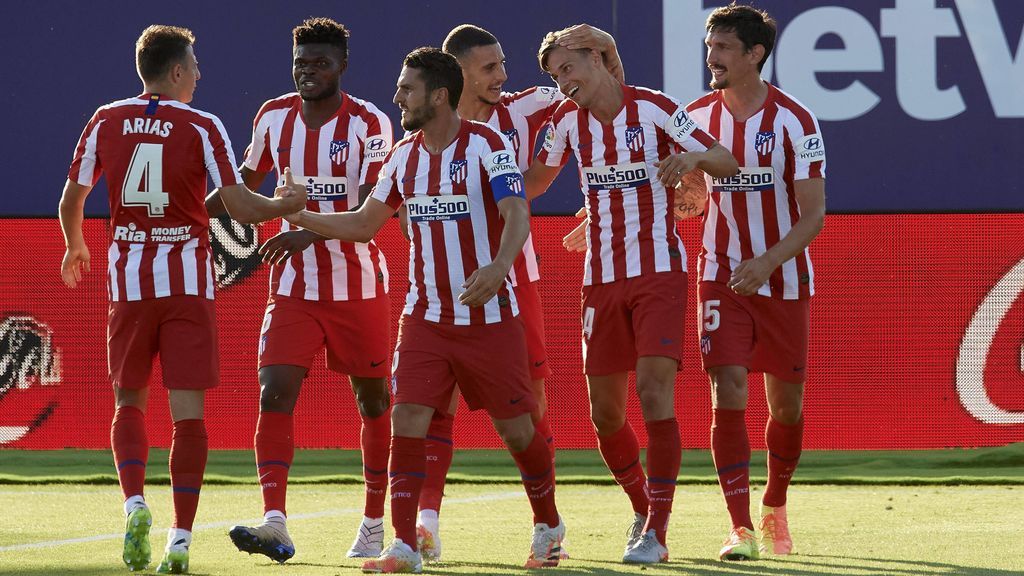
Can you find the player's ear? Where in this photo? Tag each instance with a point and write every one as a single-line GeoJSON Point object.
{"type": "Point", "coordinates": [439, 96]}
{"type": "Point", "coordinates": [757, 53]}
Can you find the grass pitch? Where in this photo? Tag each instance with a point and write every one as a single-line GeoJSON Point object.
{"type": "Point", "coordinates": [853, 530]}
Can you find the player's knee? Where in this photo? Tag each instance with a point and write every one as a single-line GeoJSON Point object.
{"type": "Point", "coordinates": [606, 421]}
{"type": "Point", "coordinates": [275, 397]}
{"type": "Point", "coordinates": [373, 407]}
{"type": "Point", "coordinates": [788, 414]}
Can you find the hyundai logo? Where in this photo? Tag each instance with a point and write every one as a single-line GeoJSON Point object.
{"type": "Point", "coordinates": [680, 119]}
{"type": "Point", "coordinates": [502, 159]}
{"type": "Point", "coordinates": [812, 144]}
{"type": "Point", "coordinates": [375, 144]}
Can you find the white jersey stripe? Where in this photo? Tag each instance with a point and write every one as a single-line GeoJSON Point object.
{"type": "Point", "coordinates": [161, 271]}
{"type": "Point", "coordinates": [131, 271]}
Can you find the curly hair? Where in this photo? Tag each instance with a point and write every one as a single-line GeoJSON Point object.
{"type": "Point", "coordinates": [322, 31]}
{"type": "Point", "coordinates": [439, 70]}
{"type": "Point", "coordinates": [160, 47]}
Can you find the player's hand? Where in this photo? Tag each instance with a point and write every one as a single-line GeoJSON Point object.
{"type": "Point", "coordinates": [76, 261]}
{"type": "Point", "coordinates": [482, 285]}
{"type": "Point", "coordinates": [751, 275]}
{"type": "Point", "coordinates": [673, 167]}
{"type": "Point", "coordinates": [691, 196]}
{"type": "Point", "coordinates": [585, 37]}
{"type": "Point", "coordinates": [293, 195]}
{"type": "Point", "coordinates": [576, 241]}
{"type": "Point", "coordinates": [285, 245]}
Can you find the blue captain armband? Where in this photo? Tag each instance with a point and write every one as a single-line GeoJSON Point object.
{"type": "Point", "coordinates": [504, 175]}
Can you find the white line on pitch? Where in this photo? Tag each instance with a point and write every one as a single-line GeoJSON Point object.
{"type": "Point", "coordinates": [214, 525]}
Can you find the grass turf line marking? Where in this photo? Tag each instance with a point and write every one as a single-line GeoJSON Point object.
{"type": "Point", "coordinates": [495, 496]}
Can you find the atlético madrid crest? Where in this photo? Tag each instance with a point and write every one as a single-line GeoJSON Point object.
{"type": "Point", "coordinates": [635, 138]}
{"type": "Point", "coordinates": [339, 151]}
{"type": "Point", "coordinates": [512, 135]}
{"type": "Point", "coordinates": [764, 142]}
{"type": "Point", "coordinates": [457, 171]}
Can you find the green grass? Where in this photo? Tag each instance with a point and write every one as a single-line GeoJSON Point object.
{"type": "Point", "coordinates": [983, 466]}
{"type": "Point", "coordinates": [847, 530]}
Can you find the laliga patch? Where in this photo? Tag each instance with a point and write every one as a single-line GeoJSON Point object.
{"type": "Point", "coordinates": [749, 179]}
{"type": "Point", "coordinates": [679, 125]}
{"type": "Point", "coordinates": [549, 137]}
{"type": "Point", "coordinates": [616, 176]}
{"type": "Point", "coordinates": [438, 208]}
{"type": "Point", "coordinates": [500, 162]}
{"type": "Point", "coordinates": [810, 148]}
{"type": "Point", "coordinates": [324, 187]}
{"type": "Point", "coordinates": [376, 148]}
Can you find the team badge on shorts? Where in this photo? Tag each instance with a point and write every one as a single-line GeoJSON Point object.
{"type": "Point", "coordinates": [764, 142]}
{"type": "Point", "coordinates": [635, 138]}
{"type": "Point", "coordinates": [458, 170]}
{"type": "Point", "coordinates": [339, 151]}
{"type": "Point", "coordinates": [705, 344]}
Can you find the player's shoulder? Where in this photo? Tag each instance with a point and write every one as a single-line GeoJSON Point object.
{"type": "Point", "coordinates": [565, 109]}
{"type": "Point", "coordinates": [656, 98]}
{"type": "Point", "coordinates": [282, 102]}
{"type": "Point", "coordinates": [540, 96]}
{"type": "Point", "coordinates": [485, 133]}
{"type": "Point", "coordinates": [790, 105]}
{"type": "Point", "coordinates": [704, 101]}
{"type": "Point", "coordinates": [361, 107]}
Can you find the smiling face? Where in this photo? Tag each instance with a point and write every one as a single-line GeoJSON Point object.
{"type": "Point", "coordinates": [483, 72]}
{"type": "Point", "coordinates": [575, 72]}
{"type": "Point", "coordinates": [316, 69]}
{"type": "Point", "coordinates": [412, 99]}
{"type": "Point", "coordinates": [729, 60]}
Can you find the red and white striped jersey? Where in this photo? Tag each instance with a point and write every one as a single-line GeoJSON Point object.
{"type": "Point", "coordinates": [452, 201]}
{"type": "Point", "coordinates": [156, 154]}
{"type": "Point", "coordinates": [520, 116]}
{"type": "Point", "coordinates": [333, 161]}
{"type": "Point", "coordinates": [632, 230]}
{"type": "Point", "coordinates": [749, 213]}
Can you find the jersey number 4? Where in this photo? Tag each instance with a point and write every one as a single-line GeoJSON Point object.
{"type": "Point", "coordinates": [144, 183]}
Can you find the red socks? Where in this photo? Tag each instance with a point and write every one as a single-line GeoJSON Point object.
{"type": "Point", "coordinates": [275, 449]}
{"type": "Point", "coordinates": [375, 441]}
{"type": "Point", "coordinates": [187, 464]}
{"type": "Point", "coordinates": [664, 454]}
{"type": "Point", "coordinates": [621, 452]}
{"type": "Point", "coordinates": [784, 447]}
{"type": "Point", "coordinates": [544, 429]}
{"type": "Point", "coordinates": [730, 448]}
{"type": "Point", "coordinates": [131, 449]}
{"type": "Point", "coordinates": [439, 449]}
{"type": "Point", "coordinates": [407, 471]}
{"type": "Point", "coordinates": [538, 479]}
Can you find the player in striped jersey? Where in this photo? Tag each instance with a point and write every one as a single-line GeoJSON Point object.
{"type": "Point", "coordinates": [519, 116]}
{"type": "Point", "coordinates": [755, 273]}
{"type": "Point", "coordinates": [634, 285]}
{"type": "Point", "coordinates": [324, 293]}
{"type": "Point", "coordinates": [467, 220]}
{"type": "Point", "coordinates": [157, 152]}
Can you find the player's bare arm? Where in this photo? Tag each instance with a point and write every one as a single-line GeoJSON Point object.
{"type": "Point", "coordinates": [586, 37]}
{"type": "Point", "coordinates": [751, 274]}
{"type": "Point", "coordinates": [248, 207]}
{"type": "Point", "coordinates": [485, 281]}
{"type": "Point", "coordinates": [72, 212]}
{"type": "Point", "coordinates": [716, 161]}
{"type": "Point", "coordinates": [538, 178]}
{"type": "Point", "coordinates": [358, 226]}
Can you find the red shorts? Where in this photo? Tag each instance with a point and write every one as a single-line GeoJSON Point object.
{"type": "Point", "coordinates": [487, 360]}
{"type": "Point", "coordinates": [532, 315]}
{"type": "Point", "coordinates": [182, 329]}
{"type": "Point", "coordinates": [759, 333]}
{"type": "Point", "coordinates": [355, 332]}
{"type": "Point", "coordinates": [627, 319]}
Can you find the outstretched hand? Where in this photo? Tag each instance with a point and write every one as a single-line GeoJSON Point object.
{"type": "Point", "coordinates": [291, 193]}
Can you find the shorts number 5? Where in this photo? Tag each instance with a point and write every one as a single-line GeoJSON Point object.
{"type": "Point", "coordinates": [712, 317]}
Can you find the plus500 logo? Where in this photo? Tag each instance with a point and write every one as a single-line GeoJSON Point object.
{"type": "Point", "coordinates": [916, 27]}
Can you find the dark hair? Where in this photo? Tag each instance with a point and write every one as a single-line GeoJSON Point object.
{"type": "Point", "coordinates": [160, 47]}
{"type": "Point", "coordinates": [752, 27]}
{"type": "Point", "coordinates": [322, 31]}
{"type": "Point", "coordinates": [465, 37]}
{"type": "Point", "coordinates": [439, 70]}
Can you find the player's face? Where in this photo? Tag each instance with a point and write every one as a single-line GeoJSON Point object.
{"type": "Point", "coordinates": [412, 99]}
{"type": "Point", "coordinates": [483, 73]}
{"type": "Point", "coordinates": [573, 71]}
{"type": "Point", "coordinates": [316, 69]}
{"type": "Point", "coordinates": [729, 61]}
{"type": "Point", "coordinates": [187, 76]}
